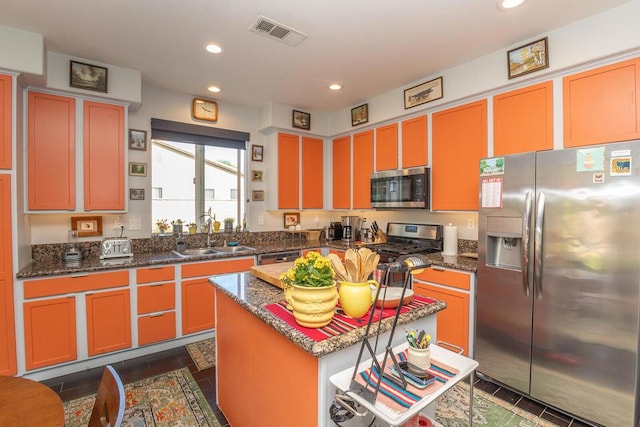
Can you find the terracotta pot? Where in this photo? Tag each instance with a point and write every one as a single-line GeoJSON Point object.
{"type": "Point", "coordinates": [313, 307]}
{"type": "Point", "coordinates": [356, 298]}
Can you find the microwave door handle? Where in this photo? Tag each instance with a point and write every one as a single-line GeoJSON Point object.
{"type": "Point", "coordinates": [539, 227]}
{"type": "Point", "coordinates": [526, 233]}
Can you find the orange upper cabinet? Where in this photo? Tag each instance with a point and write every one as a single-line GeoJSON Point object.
{"type": "Point", "coordinates": [602, 105]}
{"type": "Point", "coordinates": [414, 142]}
{"type": "Point", "coordinates": [362, 169]}
{"type": "Point", "coordinates": [342, 173]}
{"type": "Point", "coordinates": [387, 147]}
{"type": "Point", "coordinates": [51, 152]}
{"type": "Point", "coordinates": [103, 156]}
{"type": "Point", "coordinates": [5, 121]}
{"type": "Point", "coordinates": [459, 142]}
{"type": "Point", "coordinates": [523, 120]}
{"type": "Point", "coordinates": [312, 173]}
{"type": "Point", "coordinates": [288, 171]}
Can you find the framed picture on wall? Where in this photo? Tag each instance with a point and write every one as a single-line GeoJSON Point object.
{"type": "Point", "coordinates": [136, 194]}
{"type": "Point", "coordinates": [291, 218]}
{"type": "Point", "coordinates": [301, 120]}
{"type": "Point", "coordinates": [87, 225]}
{"type": "Point", "coordinates": [137, 169]}
{"type": "Point", "coordinates": [87, 76]}
{"type": "Point", "coordinates": [257, 153]}
{"type": "Point", "coordinates": [256, 176]}
{"type": "Point", "coordinates": [528, 58]}
{"type": "Point", "coordinates": [137, 139]}
{"type": "Point", "coordinates": [360, 115]}
{"type": "Point", "coordinates": [423, 93]}
{"type": "Point", "coordinates": [257, 195]}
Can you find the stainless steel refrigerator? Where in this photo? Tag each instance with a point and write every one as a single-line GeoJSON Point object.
{"type": "Point", "coordinates": [558, 291]}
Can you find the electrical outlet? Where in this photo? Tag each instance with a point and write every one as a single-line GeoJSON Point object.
{"type": "Point", "coordinates": [261, 220]}
{"type": "Point", "coordinates": [316, 220]}
{"type": "Point", "coordinates": [471, 224]}
{"type": "Point", "coordinates": [135, 224]}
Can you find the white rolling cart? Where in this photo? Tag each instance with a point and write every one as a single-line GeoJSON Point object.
{"type": "Point", "coordinates": [352, 395]}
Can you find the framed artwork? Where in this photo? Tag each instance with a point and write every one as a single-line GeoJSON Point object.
{"type": "Point", "coordinates": [137, 169]}
{"type": "Point", "coordinates": [137, 139]}
{"type": "Point", "coordinates": [257, 153]}
{"type": "Point", "coordinates": [87, 225]}
{"type": "Point", "coordinates": [360, 115]}
{"type": "Point", "coordinates": [528, 58]}
{"type": "Point", "coordinates": [301, 120]}
{"type": "Point", "coordinates": [204, 109]}
{"type": "Point", "coordinates": [136, 194]}
{"type": "Point", "coordinates": [257, 195]}
{"type": "Point", "coordinates": [423, 93]}
{"type": "Point", "coordinates": [256, 176]}
{"type": "Point", "coordinates": [87, 76]}
{"type": "Point", "coordinates": [291, 218]}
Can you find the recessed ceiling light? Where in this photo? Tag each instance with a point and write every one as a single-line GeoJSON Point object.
{"type": "Point", "coordinates": [335, 86]}
{"type": "Point", "coordinates": [214, 89]}
{"type": "Point", "coordinates": [509, 4]}
{"type": "Point", "coordinates": [213, 48]}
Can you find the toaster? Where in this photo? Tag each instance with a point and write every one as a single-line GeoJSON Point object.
{"type": "Point", "coordinates": [116, 247]}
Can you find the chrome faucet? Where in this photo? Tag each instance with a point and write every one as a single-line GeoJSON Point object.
{"type": "Point", "coordinates": [209, 223]}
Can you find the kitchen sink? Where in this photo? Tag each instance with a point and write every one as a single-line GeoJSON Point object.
{"type": "Point", "coordinates": [232, 249]}
{"type": "Point", "coordinates": [214, 250]}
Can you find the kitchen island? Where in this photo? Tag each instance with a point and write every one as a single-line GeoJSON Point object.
{"type": "Point", "coordinates": [267, 370]}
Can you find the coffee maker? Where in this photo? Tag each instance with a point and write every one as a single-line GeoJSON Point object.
{"type": "Point", "coordinates": [350, 228]}
{"type": "Point", "coordinates": [335, 231]}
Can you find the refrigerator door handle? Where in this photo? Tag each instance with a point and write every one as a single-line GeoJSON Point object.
{"type": "Point", "coordinates": [526, 233]}
{"type": "Point", "coordinates": [537, 243]}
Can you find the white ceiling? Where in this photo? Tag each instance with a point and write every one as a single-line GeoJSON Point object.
{"type": "Point", "coordinates": [368, 46]}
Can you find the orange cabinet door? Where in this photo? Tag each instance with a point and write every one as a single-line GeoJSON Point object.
{"type": "Point", "coordinates": [156, 328]}
{"type": "Point", "coordinates": [198, 306]}
{"type": "Point", "coordinates": [6, 88]}
{"type": "Point", "coordinates": [7, 320]}
{"type": "Point", "coordinates": [523, 120]}
{"type": "Point", "coordinates": [155, 274]}
{"type": "Point", "coordinates": [50, 332]}
{"type": "Point", "coordinates": [453, 322]}
{"type": "Point", "coordinates": [602, 105]}
{"type": "Point", "coordinates": [387, 147]}
{"type": "Point", "coordinates": [459, 142]}
{"type": "Point", "coordinates": [312, 173]}
{"type": "Point", "coordinates": [103, 156]}
{"type": "Point", "coordinates": [160, 297]}
{"type": "Point", "coordinates": [342, 173]}
{"type": "Point", "coordinates": [414, 142]}
{"type": "Point", "coordinates": [108, 321]}
{"type": "Point", "coordinates": [51, 152]}
{"type": "Point", "coordinates": [362, 169]}
{"type": "Point", "coordinates": [288, 171]}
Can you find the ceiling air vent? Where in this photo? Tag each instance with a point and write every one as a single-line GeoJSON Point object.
{"type": "Point", "coordinates": [274, 30]}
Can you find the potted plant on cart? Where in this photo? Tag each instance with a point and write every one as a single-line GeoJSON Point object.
{"type": "Point", "coordinates": [310, 290]}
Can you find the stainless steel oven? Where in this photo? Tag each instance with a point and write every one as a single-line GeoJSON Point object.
{"type": "Point", "coordinates": [406, 188]}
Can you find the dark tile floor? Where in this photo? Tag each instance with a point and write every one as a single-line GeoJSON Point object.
{"type": "Point", "coordinates": [86, 382]}
{"type": "Point", "coordinates": [533, 407]}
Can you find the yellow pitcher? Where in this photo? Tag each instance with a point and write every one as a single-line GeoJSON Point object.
{"type": "Point", "coordinates": [356, 298]}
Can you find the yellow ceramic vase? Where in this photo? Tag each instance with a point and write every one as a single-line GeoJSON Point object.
{"type": "Point", "coordinates": [313, 307]}
{"type": "Point", "coordinates": [356, 298]}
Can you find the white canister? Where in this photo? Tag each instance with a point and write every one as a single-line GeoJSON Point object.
{"type": "Point", "coordinates": [421, 357]}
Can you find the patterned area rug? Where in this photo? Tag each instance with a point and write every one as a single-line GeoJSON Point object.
{"type": "Point", "coordinates": [452, 410]}
{"type": "Point", "coordinates": [171, 399]}
{"type": "Point", "coordinates": [203, 353]}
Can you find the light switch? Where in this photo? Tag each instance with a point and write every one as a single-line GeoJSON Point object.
{"type": "Point", "coordinates": [135, 224]}
{"type": "Point", "coordinates": [261, 220]}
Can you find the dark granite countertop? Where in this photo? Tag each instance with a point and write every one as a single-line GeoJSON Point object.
{"type": "Point", "coordinates": [253, 294]}
{"type": "Point", "coordinates": [55, 267]}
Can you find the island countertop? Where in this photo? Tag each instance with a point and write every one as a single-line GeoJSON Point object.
{"type": "Point", "coordinates": [253, 294]}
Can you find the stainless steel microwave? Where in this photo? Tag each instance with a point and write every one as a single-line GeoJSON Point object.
{"type": "Point", "coordinates": [405, 188]}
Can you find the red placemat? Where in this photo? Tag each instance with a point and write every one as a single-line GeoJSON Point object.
{"type": "Point", "coordinates": [342, 323]}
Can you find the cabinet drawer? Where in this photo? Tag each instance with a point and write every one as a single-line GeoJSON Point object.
{"type": "Point", "coordinates": [72, 284]}
{"type": "Point", "coordinates": [157, 327]}
{"type": "Point", "coordinates": [217, 267]}
{"type": "Point", "coordinates": [156, 298]}
{"type": "Point", "coordinates": [155, 274]}
{"type": "Point", "coordinates": [445, 277]}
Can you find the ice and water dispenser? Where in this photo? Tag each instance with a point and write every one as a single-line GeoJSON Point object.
{"type": "Point", "coordinates": [504, 242]}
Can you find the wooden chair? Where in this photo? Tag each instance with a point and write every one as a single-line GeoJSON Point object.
{"type": "Point", "coordinates": [108, 409]}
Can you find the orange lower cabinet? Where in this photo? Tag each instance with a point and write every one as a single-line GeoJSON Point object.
{"type": "Point", "coordinates": [453, 322]}
{"type": "Point", "coordinates": [198, 305]}
{"type": "Point", "coordinates": [156, 327]}
{"type": "Point", "coordinates": [108, 321]}
{"type": "Point", "coordinates": [50, 332]}
{"type": "Point", "coordinates": [154, 298]}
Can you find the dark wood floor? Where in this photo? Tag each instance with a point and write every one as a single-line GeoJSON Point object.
{"type": "Point", "coordinates": [83, 383]}
{"type": "Point", "coordinates": [86, 382]}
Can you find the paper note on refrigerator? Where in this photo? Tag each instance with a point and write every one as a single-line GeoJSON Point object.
{"type": "Point", "coordinates": [491, 192]}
